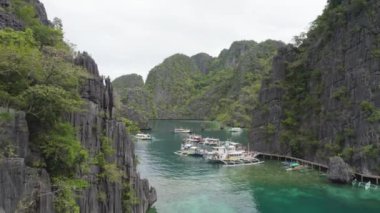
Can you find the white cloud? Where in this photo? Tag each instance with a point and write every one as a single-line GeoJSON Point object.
{"type": "Point", "coordinates": [132, 36]}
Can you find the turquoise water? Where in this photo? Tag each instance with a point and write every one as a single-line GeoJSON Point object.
{"type": "Point", "coordinates": [189, 185]}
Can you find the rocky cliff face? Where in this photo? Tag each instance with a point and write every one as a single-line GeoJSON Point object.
{"type": "Point", "coordinates": [136, 102]}
{"type": "Point", "coordinates": [22, 187]}
{"type": "Point", "coordinates": [171, 85]}
{"type": "Point", "coordinates": [29, 188]}
{"type": "Point", "coordinates": [203, 62]}
{"type": "Point", "coordinates": [203, 87]}
{"type": "Point", "coordinates": [26, 185]}
{"type": "Point", "coordinates": [98, 119]}
{"type": "Point", "coordinates": [9, 19]}
{"type": "Point", "coordinates": [322, 98]}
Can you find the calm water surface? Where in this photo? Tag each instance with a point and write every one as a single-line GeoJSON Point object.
{"type": "Point", "coordinates": [189, 185]}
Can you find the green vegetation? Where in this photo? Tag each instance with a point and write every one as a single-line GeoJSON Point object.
{"type": "Point", "coordinates": [132, 127]}
{"type": "Point", "coordinates": [129, 198]}
{"type": "Point", "coordinates": [62, 151]}
{"type": "Point", "coordinates": [109, 169]}
{"type": "Point", "coordinates": [180, 87]}
{"type": "Point", "coordinates": [66, 194]}
{"type": "Point", "coordinates": [373, 113]}
{"type": "Point", "coordinates": [38, 76]}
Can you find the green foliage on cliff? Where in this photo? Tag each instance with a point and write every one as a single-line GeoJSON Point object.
{"type": "Point", "coordinates": [109, 169]}
{"type": "Point", "coordinates": [136, 102]}
{"type": "Point", "coordinates": [65, 196]}
{"type": "Point", "coordinates": [62, 151]}
{"type": "Point", "coordinates": [201, 87]}
{"type": "Point", "coordinates": [327, 99]}
{"type": "Point", "coordinates": [37, 76]}
{"type": "Point", "coordinates": [129, 198]}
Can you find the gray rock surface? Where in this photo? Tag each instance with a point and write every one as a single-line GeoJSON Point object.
{"type": "Point", "coordinates": [340, 68]}
{"type": "Point", "coordinates": [41, 11]}
{"type": "Point", "coordinates": [22, 188]}
{"type": "Point", "coordinates": [339, 171]}
{"type": "Point", "coordinates": [203, 62]}
{"type": "Point", "coordinates": [5, 3]}
{"type": "Point", "coordinates": [9, 20]}
{"type": "Point", "coordinates": [96, 119]}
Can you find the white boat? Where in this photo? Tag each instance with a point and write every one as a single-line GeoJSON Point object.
{"type": "Point", "coordinates": [235, 129]}
{"type": "Point", "coordinates": [181, 130]}
{"type": "Point", "coordinates": [230, 154]}
{"type": "Point", "coordinates": [367, 185]}
{"type": "Point", "coordinates": [189, 149]}
{"type": "Point", "coordinates": [194, 138]}
{"type": "Point", "coordinates": [211, 141]}
{"type": "Point", "coordinates": [142, 136]}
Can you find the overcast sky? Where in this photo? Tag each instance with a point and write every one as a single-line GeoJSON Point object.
{"type": "Point", "coordinates": [132, 36]}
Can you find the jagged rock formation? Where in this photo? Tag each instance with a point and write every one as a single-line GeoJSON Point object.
{"type": "Point", "coordinates": [22, 187]}
{"type": "Point", "coordinates": [90, 124]}
{"type": "Point", "coordinates": [322, 98]}
{"type": "Point", "coordinates": [203, 62]}
{"type": "Point", "coordinates": [137, 102]}
{"type": "Point", "coordinates": [41, 11]}
{"type": "Point", "coordinates": [9, 20]}
{"type": "Point", "coordinates": [25, 184]}
{"type": "Point", "coordinates": [4, 3]}
{"type": "Point", "coordinates": [339, 171]}
{"type": "Point", "coordinates": [171, 85]}
{"type": "Point", "coordinates": [203, 87]}
{"type": "Point", "coordinates": [132, 81]}
{"type": "Point", "coordinates": [30, 188]}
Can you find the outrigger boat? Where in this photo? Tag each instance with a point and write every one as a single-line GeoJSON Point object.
{"type": "Point", "coordinates": [181, 130]}
{"type": "Point", "coordinates": [194, 138]}
{"type": "Point", "coordinates": [294, 166]}
{"type": "Point", "coordinates": [235, 129]}
{"type": "Point", "coordinates": [230, 155]}
{"type": "Point", "coordinates": [211, 141]}
{"type": "Point", "coordinates": [142, 136]}
{"type": "Point", "coordinates": [189, 149]}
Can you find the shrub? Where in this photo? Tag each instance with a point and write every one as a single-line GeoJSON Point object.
{"type": "Point", "coordinates": [270, 129]}
{"type": "Point", "coordinates": [47, 103]}
{"type": "Point", "coordinates": [65, 196]}
{"type": "Point", "coordinates": [347, 153]}
{"type": "Point", "coordinates": [62, 151]}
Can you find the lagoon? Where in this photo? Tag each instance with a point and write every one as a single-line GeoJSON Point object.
{"type": "Point", "coordinates": [190, 185]}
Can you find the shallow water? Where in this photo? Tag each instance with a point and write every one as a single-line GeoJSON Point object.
{"type": "Point", "coordinates": [190, 185]}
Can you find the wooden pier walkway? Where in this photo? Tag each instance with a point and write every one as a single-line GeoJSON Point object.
{"type": "Point", "coordinates": [314, 165]}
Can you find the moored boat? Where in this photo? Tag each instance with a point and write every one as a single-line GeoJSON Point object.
{"type": "Point", "coordinates": [142, 136]}
{"type": "Point", "coordinates": [194, 138]}
{"type": "Point", "coordinates": [211, 141]}
{"type": "Point", "coordinates": [235, 129]}
{"type": "Point", "coordinates": [181, 130]}
{"type": "Point", "coordinates": [230, 154]}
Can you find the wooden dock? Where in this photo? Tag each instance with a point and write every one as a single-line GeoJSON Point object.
{"type": "Point", "coordinates": [321, 167]}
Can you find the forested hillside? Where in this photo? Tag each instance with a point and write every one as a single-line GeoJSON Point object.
{"type": "Point", "coordinates": [202, 87]}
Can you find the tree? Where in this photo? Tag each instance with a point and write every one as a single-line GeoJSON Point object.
{"type": "Point", "coordinates": [47, 103]}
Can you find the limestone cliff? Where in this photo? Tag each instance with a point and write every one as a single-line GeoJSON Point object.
{"type": "Point", "coordinates": [136, 102]}
{"type": "Point", "coordinates": [322, 97]}
{"type": "Point", "coordinates": [204, 87]}
{"type": "Point", "coordinates": [26, 181]}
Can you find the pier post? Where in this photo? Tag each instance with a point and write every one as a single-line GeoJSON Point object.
{"type": "Point", "coordinates": [361, 178]}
